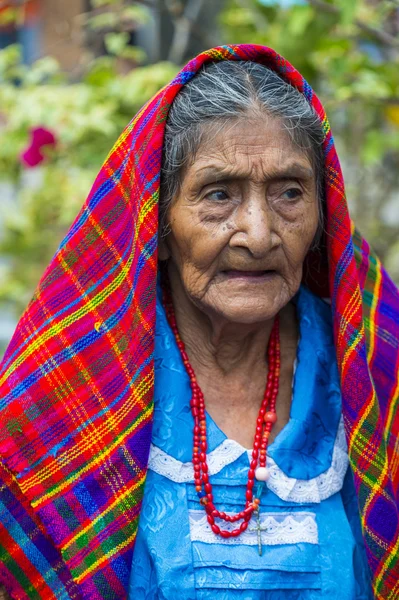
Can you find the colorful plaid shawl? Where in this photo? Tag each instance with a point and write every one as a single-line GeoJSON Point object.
{"type": "Point", "coordinates": [76, 381]}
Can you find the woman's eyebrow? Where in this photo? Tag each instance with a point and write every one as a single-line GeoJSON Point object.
{"type": "Point", "coordinates": [292, 171]}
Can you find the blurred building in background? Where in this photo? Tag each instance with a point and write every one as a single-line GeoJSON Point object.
{"type": "Point", "coordinates": [58, 28]}
{"type": "Point", "coordinates": [21, 23]}
{"type": "Point", "coordinates": [43, 28]}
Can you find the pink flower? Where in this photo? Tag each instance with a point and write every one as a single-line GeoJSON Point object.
{"type": "Point", "coordinates": [39, 137]}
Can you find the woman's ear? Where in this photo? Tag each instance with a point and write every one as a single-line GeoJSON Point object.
{"type": "Point", "coordinates": [163, 250]}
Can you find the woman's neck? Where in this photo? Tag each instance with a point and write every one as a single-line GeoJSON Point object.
{"type": "Point", "coordinates": [216, 344]}
{"type": "Point", "coordinates": [229, 361]}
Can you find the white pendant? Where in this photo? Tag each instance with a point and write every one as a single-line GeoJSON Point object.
{"type": "Point", "coordinates": [262, 474]}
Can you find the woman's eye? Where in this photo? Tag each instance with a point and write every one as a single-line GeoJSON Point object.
{"type": "Point", "coordinates": [292, 193]}
{"type": "Point", "coordinates": [217, 196]}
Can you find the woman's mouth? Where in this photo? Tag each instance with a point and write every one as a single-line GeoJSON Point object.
{"type": "Point", "coordinates": [249, 276]}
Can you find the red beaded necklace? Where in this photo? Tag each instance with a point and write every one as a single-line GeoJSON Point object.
{"type": "Point", "coordinates": [264, 423]}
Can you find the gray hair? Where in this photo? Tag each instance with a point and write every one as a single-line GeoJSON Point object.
{"type": "Point", "coordinates": [225, 91]}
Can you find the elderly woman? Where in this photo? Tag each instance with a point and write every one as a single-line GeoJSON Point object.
{"type": "Point", "coordinates": [228, 382]}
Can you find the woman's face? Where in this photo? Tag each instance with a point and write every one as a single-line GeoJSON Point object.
{"type": "Point", "coordinates": [243, 221]}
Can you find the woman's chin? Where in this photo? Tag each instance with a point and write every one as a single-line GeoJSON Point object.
{"type": "Point", "coordinates": [250, 313]}
{"type": "Point", "coordinates": [250, 303]}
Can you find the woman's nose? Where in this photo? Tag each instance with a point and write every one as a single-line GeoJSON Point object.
{"type": "Point", "coordinates": [254, 229]}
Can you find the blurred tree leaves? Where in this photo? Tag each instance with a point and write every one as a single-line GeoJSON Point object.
{"type": "Point", "coordinates": [86, 118]}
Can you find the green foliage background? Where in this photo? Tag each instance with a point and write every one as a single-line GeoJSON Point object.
{"type": "Point", "coordinates": [87, 118]}
{"type": "Point", "coordinates": [345, 48]}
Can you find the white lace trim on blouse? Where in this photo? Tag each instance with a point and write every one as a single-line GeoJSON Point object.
{"type": "Point", "coordinates": [287, 488]}
{"type": "Point", "coordinates": [275, 528]}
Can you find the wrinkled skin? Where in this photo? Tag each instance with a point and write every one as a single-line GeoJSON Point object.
{"type": "Point", "coordinates": [240, 228]}
{"type": "Point", "coordinates": [257, 220]}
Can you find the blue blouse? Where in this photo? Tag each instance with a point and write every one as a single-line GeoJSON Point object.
{"type": "Point", "coordinates": [306, 542]}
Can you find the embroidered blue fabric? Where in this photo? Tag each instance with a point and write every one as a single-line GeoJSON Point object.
{"type": "Point", "coordinates": [310, 550]}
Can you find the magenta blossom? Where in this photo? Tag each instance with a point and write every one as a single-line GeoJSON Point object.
{"type": "Point", "coordinates": [39, 137]}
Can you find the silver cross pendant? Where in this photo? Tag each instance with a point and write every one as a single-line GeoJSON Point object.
{"type": "Point", "coordinates": [258, 527]}
{"type": "Point", "coordinates": [258, 530]}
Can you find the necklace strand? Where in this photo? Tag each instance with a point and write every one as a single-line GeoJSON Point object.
{"type": "Point", "coordinates": [266, 418]}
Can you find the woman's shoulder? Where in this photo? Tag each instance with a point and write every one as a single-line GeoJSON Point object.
{"type": "Point", "coordinates": [313, 311]}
